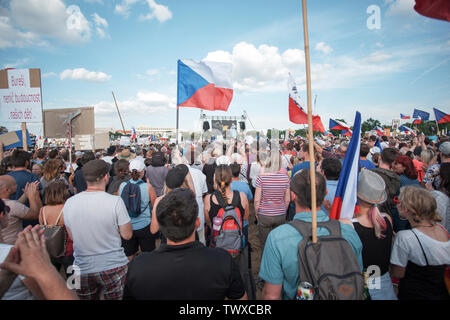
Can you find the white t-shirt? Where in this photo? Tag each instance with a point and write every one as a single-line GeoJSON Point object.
{"type": "Point", "coordinates": [94, 218]}
{"type": "Point", "coordinates": [201, 188]}
{"type": "Point", "coordinates": [17, 291]}
{"type": "Point", "coordinates": [255, 169]}
{"type": "Point", "coordinates": [407, 248]}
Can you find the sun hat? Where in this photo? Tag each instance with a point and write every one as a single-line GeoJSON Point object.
{"type": "Point", "coordinates": [371, 187]}
{"type": "Point", "coordinates": [126, 154]}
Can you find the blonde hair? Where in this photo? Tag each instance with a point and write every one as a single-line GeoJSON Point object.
{"type": "Point", "coordinates": [419, 203]}
{"type": "Point", "coordinates": [427, 156]}
{"type": "Point", "coordinates": [51, 169]}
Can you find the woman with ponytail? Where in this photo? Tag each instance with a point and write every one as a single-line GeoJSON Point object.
{"type": "Point", "coordinates": [376, 234]}
{"type": "Point", "coordinates": [222, 184]}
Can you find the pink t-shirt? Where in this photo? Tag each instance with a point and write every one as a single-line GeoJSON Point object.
{"type": "Point", "coordinates": [17, 212]}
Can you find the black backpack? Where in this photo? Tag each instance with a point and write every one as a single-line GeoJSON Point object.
{"type": "Point", "coordinates": [131, 195]}
{"type": "Point", "coordinates": [330, 265]}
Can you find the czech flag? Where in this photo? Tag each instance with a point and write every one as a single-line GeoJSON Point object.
{"type": "Point", "coordinates": [441, 117]}
{"type": "Point", "coordinates": [134, 135]}
{"type": "Point", "coordinates": [418, 120]}
{"type": "Point", "coordinates": [347, 132]}
{"type": "Point", "coordinates": [345, 199]}
{"type": "Point", "coordinates": [378, 130]}
{"type": "Point", "coordinates": [407, 130]}
{"type": "Point", "coordinates": [337, 125]}
{"type": "Point", "coordinates": [436, 9]}
{"type": "Point", "coordinates": [403, 116]}
{"type": "Point", "coordinates": [206, 85]}
{"type": "Point", "coordinates": [425, 116]}
{"type": "Point", "coordinates": [297, 112]}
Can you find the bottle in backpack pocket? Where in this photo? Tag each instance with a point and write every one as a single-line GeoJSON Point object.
{"type": "Point", "coordinates": [305, 291]}
{"type": "Point", "coordinates": [217, 223]}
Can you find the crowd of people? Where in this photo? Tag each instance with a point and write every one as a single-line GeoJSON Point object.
{"type": "Point", "coordinates": [162, 221]}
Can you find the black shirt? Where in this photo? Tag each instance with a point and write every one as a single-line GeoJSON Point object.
{"type": "Point", "coordinates": [78, 181]}
{"type": "Point", "coordinates": [185, 272]}
{"type": "Point", "coordinates": [208, 171]}
{"type": "Point", "coordinates": [375, 251]}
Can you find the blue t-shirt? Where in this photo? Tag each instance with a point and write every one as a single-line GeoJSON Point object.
{"type": "Point", "coordinates": [279, 264]}
{"type": "Point", "coordinates": [78, 181]}
{"type": "Point", "coordinates": [405, 181]}
{"type": "Point", "coordinates": [22, 177]}
{"type": "Point", "coordinates": [242, 187]}
{"type": "Point", "coordinates": [366, 164]}
{"type": "Point", "coordinates": [144, 219]}
{"type": "Point", "coordinates": [298, 167]}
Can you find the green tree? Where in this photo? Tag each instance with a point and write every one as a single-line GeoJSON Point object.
{"type": "Point", "coordinates": [369, 124]}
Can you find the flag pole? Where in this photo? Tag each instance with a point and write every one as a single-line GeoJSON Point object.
{"type": "Point", "coordinates": [312, 170]}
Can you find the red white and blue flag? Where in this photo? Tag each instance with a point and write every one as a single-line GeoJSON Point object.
{"type": "Point", "coordinates": [345, 198]}
{"type": "Point", "coordinates": [418, 120]}
{"type": "Point", "coordinates": [379, 130]}
{"type": "Point", "coordinates": [441, 117]}
{"type": "Point", "coordinates": [407, 130]}
{"type": "Point", "coordinates": [133, 135]}
{"type": "Point", "coordinates": [297, 113]}
{"type": "Point", "coordinates": [338, 125]}
{"type": "Point", "coordinates": [404, 116]}
{"type": "Point", "coordinates": [206, 85]}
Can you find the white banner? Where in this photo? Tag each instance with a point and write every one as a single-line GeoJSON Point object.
{"type": "Point", "coordinates": [20, 102]}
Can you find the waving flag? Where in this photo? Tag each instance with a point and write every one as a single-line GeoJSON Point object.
{"type": "Point", "coordinates": [337, 125]}
{"type": "Point", "coordinates": [441, 117]}
{"type": "Point", "coordinates": [407, 130]}
{"type": "Point", "coordinates": [347, 132]}
{"type": "Point", "coordinates": [317, 124]}
{"type": "Point", "coordinates": [345, 199]}
{"type": "Point", "coordinates": [436, 9]}
{"type": "Point", "coordinates": [379, 130]}
{"type": "Point", "coordinates": [418, 120]}
{"type": "Point", "coordinates": [134, 135]}
{"type": "Point", "coordinates": [297, 112]}
{"type": "Point", "coordinates": [206, 85]}
{"type": "Point", "coordinates": [425, 116]}
{"type": "Point", "coordinates": [404, 116]}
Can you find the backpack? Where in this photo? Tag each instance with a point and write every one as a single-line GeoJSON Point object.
{"type": "Point", "coordinates": [131, 195]}
{"type": "Point", "coordinates": [330, 265]}
{"type": "Point", "coordinates": [230, 236]}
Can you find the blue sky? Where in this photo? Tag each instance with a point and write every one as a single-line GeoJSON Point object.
{"type": "Point", "coordinates": [131, 47]}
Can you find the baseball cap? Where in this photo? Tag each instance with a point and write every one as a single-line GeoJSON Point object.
{"type": "Point", "coordinates": [445, 148]}
{"type": "Point", "coordinates": [95, 170]}
{"type": "Point", "coordinates": [78, 154]}
{"type": "Point", "coordinates": [175, 176]}
{"type": "Point", "coordinates": [136, 165]}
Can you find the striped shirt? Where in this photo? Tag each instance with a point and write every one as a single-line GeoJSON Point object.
{"type": "Point", "coordinates": [273, 188]}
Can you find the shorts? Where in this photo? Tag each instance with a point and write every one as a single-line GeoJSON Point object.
{"type": "Point", "coordinates": [141, 238]}
{"type": "Point", "coordinates": [111, 282]}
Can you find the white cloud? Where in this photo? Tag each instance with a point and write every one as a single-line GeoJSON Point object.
{"type": "Point", "coordinates": [124, 8]}
{"type": "Point", "coordinates": [400, 7]}
{"type": "Point", "coordinates": [85, 75]}
{"type": "Point", "coordinates": [322, 47]}
{"type": "Point", "coordinates": [152, 72]}
{"type": "Point", "coordinates": [160, 12]}
{"type": "Point", "coordinates": [143, 103]}
{"type": "Point", "coordinates": [26, 22]}
{"type": "Point", "coordinates": [100, 25]}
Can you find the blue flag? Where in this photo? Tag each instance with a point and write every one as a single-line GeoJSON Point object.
{"type": "Point", "coordinates": [425, 116]}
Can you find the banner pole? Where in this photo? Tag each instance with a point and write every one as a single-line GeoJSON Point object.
{"type": "Point", "coordinates": [24, 136]}
{"type": "Point", "coordinates": [312, 170]}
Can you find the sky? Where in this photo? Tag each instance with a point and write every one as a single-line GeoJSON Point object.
{"type": "Point", "coordinates": [381, 65]}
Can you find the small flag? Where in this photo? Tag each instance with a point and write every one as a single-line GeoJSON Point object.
{"type": "Point", "coordinates": [378, 130]}
{"type": "Point", "coordinates": [133, 134]}
{"type": "Point", "coordinates": [418, 120]}
{"type": "Point", "coordinates": [441, 117]}
{"type": "Point", "coordinates": [404, 116]}
{"type": "Point", "coordinates": [317, 124]}
{"type": "Point", "coordinates": [206, 85]}
{"type": "Point", "coordinates": [337, 125]}
{"type": "Point", "coordinates": [407, 130]}
{"type": "Point", "coordinates": [345, 198]}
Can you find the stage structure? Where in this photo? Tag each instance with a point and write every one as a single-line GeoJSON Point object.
{"type": "Point", "coordinates": [226, 127]}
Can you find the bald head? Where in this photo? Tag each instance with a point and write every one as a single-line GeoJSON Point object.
{"type": "Point", "coordinates": [7, 185]}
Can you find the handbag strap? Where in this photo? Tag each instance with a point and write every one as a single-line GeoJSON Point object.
{"type": "Point", "coordinates": [59, 216]}
{"type": "Point", "coordinates": [426, 260]}
{"type": "Point", "coordinates": [45, 220]}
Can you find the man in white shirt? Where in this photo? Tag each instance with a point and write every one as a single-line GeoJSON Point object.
{"type": "Point", "coordinates": [96, 221]}
{"type": "Point", "coordinates": [201, 189]}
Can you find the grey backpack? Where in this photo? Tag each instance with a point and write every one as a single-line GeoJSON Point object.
{"type": "Point", "coordinates": [330, 265]}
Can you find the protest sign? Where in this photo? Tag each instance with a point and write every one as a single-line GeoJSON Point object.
{"type": "Point", "coordinates": [14, 139]}
{"type": "Point", "coordinates": [20, 95]}
{"type": "Point", "coordinates": [55, 127]}
{"type": "Point", "coordinates": [84, 142]}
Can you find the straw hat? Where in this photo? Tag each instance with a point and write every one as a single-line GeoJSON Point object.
{"type": "Point", "coordinates": [371, 187]}
{"type": "Point", "coordinates": [126, 154]}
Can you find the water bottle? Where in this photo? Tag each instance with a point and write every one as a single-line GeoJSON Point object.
{"type": "Point", "coordinates": [217, 223]}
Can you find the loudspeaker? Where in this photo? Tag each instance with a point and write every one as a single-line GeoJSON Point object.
{"type": "Point", "coordinates": [206, 126]}
{"type": "Point", "coordinates": [242, 125]}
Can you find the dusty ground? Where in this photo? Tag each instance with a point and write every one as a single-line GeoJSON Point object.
{"type": "Point", "coordinates": [256, 246]}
